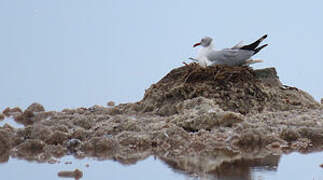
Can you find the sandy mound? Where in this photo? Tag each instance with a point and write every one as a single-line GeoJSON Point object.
{"type": "Point", "coordinates": [194, 119]}
{"type": "Point", "coordinates": [237, 89]}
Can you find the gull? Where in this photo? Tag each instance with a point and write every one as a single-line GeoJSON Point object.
{"type": "Point", "coordinates": [238, 55]}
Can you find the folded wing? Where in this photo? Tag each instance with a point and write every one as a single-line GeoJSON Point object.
{"type": "Point", "coordinates": [231, 57]}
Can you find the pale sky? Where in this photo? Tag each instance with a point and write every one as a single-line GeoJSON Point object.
{"type": "Point", "coordinates": [72, 53]}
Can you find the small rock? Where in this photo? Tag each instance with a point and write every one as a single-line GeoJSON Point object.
{"type": "Point", "coordinates": [80, 133]}
{"type": "Point", "coordinates": [73, 144]}
{"type": "Point", "coordinates": [275, 145]}
{"type": "Point", "coordinates": [35, 107]}
{"type": "Point", "coordinates": [321, 100]}
{"type": "Point", "coordinates": [229, 118]}
{"type": "Point", "coordinates": [25, 118]}
{"type": "Point", "coordinates": [12, 112]}
{"type": "Point", "coordinates": [57, 151]}
{"type": "Point", "coordinates": [321, 165]}
{"type": "Point", "coordinates": [77, 174]}
{"type": "Point", "coordinates": [289, 135]}
{"type": "Point", "coordinates": [40, 132]}
{"type": "Point", "coordinates": [111, 103]}
{"type": "Point", "coordinates": [31, 147]}
{"type": "Point", "coordinates": [52, 161]}
{"type": "Point", "coordinates": [57, 137]}
{"type": "Point", "coordinates": [199, 104]}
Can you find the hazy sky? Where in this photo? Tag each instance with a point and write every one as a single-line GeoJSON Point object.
{"type": "Point", "coordinates": [72, 53]}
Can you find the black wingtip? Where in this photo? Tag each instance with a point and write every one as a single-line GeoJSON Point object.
{"type": "Point", "coordinates": [263, 37]}
{"type": "Point", "coordinates": [259, 48]}
{"type": "Point", "coordinates": [254, 45]}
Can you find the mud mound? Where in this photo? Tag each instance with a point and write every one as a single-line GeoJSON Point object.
{"type": "Point", "coordinates": [211, 117]}
{"type": "Point", "coordinates": [237, 89]}
{"type": "Point", "coordinates": [199, 128]}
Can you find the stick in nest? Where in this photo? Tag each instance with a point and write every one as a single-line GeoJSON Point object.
{"type": "Point", "coordinates": [192, 69]}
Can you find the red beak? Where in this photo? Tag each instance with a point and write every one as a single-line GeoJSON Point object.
{"type": "Point", "coordinates": [197, 44]}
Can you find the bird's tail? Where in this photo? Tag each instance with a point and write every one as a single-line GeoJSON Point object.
{"type": "Point", "coordinates": [254, 45]}
{"type": "Point", "coordinates": [251, 61]}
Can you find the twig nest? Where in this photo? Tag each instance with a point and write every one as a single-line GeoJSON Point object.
{"type": "Point", "coordinates": [238, 89]}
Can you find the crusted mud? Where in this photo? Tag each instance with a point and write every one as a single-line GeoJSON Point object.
{"type": "Point", "coordinates": [197, 120]}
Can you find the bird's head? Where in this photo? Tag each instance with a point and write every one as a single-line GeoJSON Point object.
{"type": "Point", "coordinates": [205, 42]}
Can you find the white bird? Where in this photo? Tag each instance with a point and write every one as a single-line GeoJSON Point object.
{"type": "Point", "coordinates": [238, 55]}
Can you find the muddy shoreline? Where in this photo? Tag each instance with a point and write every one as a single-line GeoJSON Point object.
{"type": "Point", "coordinates": [193, 119]}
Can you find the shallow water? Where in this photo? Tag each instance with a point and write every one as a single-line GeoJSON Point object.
{"type": "Point", "coordinates": [11, 122]}
{"type": "Point", "coordinates": [292, 166]}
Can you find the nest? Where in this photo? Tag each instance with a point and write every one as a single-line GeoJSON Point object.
{"type": "Point", "coordinates": [238, 89]}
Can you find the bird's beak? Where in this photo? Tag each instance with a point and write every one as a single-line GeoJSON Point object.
{"type": "Point", "coordinates": [197, 44]}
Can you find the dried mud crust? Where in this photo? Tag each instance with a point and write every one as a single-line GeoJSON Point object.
{"type": "Point", "coordinates": [237, 89]}
{"type": "Point", "coordinates": [189, 129]}
{"type": "Point", "coordinates": [201, 129]}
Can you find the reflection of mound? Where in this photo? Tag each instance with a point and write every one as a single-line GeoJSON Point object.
{"type": "Point", "coordinates": [238, 89]}
{"type": "Point", "coordinates": [222, 164]}
{"type": "Point", "coordinates": [242, 167]}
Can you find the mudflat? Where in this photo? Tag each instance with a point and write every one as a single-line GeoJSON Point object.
{"type": "Point", "coordinates": [193, 119]}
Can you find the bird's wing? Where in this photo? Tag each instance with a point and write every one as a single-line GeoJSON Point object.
{"type": "Point", "coordinates": [223, 54]}
{"type": "Point", "coordinates": [238, 46]}
{"type": "Point", "coordinates": [230, 53]}
{"type": "Point", "coordinates": [229, 56]}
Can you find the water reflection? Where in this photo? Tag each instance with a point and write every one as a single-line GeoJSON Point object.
{"type": "Point", "coordinates": [223, 166]}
